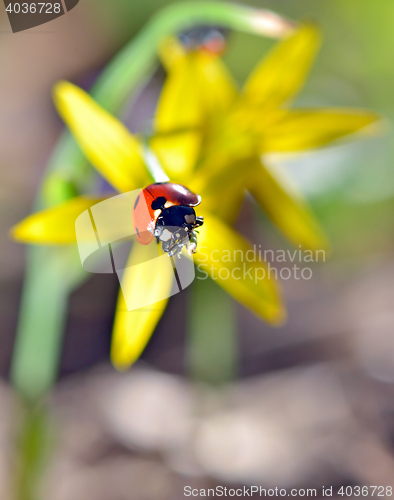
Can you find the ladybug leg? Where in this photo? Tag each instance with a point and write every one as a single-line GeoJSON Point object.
{"type": "Point", "coordinates": [191, 246]}
{"type": "Point", "coordinates": [158, 231]}
{"type": "Point", "coordinates": [199, 221]}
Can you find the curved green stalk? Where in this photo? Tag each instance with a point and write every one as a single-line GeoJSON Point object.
{"type": "Point", "coordinates": [137, 60]}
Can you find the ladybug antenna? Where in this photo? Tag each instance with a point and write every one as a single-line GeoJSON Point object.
{"type": "Point", "coordinates": [158, 203]}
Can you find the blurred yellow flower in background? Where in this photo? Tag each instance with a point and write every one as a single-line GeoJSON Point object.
{"type": "Point", "coordinates": [211, 137]}
{"type": "Point", "coordinates": [235, 128]}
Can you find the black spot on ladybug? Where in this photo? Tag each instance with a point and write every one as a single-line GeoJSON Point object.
{"type": "Point", "coordinates": [138, 233]}
{"type": "Point", "coordinates": [136, 201]}
{"type": "Point", "coordinates": [158, 203]}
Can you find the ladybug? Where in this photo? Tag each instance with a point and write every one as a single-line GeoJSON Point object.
{"type": "Point", "coordinates": [164, 211]}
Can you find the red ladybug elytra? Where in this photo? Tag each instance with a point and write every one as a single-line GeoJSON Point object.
{"type": "Point", "coordinates": [165, 210]}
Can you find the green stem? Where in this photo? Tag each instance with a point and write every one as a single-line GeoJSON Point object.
{"type": "Point", "coordinates": [125, 73]}
{"type": "Point", "coordinates": [44, 305]}
{"type": "Point", "coordinates": [120, 77]}
{"type": "Point", "coordinates": [211, 342]}
{"type": "Point", "coordinates": [33, 445]}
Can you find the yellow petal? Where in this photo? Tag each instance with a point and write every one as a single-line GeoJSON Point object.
{"type": "Point", "coordinates": [228, 206]}
{"type": "Point", "coordinates": [222, 191]}
{"type": "Point", "coordinates": [305, 129]}
{"type": "Point", "coordinates": [197, 87]}
{"type": "Point", "coordinates": [133, 328]}
{"type": "Point", "coordinates": [177, 153]}
{"type": "Point", "coordinates": [230, 260]}
{"type": "Point", "coordinates": [218, 87]}
{"type": "Point", "coordinates": [180, 103]}
{"type": "Point", "coordinates": [106, 142]}
{"type": "Point", "coordinates": [287, 208]}
{"type": "Point", "coordinates": [170, 52]}
{"type": "Point", "coordinates": [54, 226]}
{"type": "Point", "coordinates": [281, 75]}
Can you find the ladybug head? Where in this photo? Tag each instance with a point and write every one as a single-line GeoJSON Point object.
{"type": "Point", "coordinates": [175, 229]}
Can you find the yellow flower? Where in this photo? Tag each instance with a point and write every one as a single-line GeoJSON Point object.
{"type": "Point", "coordinates": [210, 137]}
{"type": "Point", "coordinates": [119, 157]}
{"type": "Point", "coordinates": [236, 128]}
